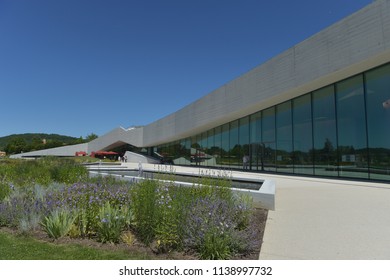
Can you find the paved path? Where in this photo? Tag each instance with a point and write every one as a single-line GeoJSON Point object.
{"type": "Point", "coordinates": [328, 219]}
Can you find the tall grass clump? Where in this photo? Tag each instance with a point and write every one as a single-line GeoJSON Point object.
{"type": "Point", "coordinates": [66, 171]}
{"type": "Point", "coordinates": [58, 223]}
{"type": "Point", "coordinates": [172, 202]}
{"type": "Point", "coordinates": [218, 229]}
{"type": "Point", "coordinates": [143, 203]}
{"type": "Point", "coordinates": [160, 210]}
{"type": "Point", "coordinates": [5, 190]}
{"type": "Point", "coordinates": [112, 222]}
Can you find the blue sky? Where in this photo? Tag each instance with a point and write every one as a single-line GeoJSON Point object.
{"type": "Point", "coordinates": [76, 67]}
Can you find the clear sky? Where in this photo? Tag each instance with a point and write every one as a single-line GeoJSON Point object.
{"type": "Point", "coordinates": [76, 67]}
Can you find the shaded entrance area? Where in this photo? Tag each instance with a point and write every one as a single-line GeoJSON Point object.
{"type": "Point", "coordinates": [105, 155]}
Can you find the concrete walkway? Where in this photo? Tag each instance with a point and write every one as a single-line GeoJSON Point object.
{"type": "Point", "coordinates": [328, 219]}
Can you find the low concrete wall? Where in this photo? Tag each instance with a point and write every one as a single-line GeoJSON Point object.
{"type": "Point", "coordinates": [262, 198]}
{"type": "Point", "coordinates": [136, 158]}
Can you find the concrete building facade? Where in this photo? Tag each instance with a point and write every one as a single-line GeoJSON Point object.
{"type": "Point", "coordinates": [321, 108]}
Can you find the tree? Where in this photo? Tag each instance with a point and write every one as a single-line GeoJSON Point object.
{"type": "Point", "coordinates": [16, 146]}
{"type": "Point", "coordinates": [328, 147]}
{"type": "Point", "coordinates": [91, 137]}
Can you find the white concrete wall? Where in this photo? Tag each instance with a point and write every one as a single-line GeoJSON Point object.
{"type": "Point", "coordinates": [134, 157]}
{"type": "Point", "coordinates": [117, 137]}
{"type": "Point", "coordinates": [66, 151]}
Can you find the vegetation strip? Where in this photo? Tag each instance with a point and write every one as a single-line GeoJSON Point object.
{"type": "Point", "coordinates": [57, 196]}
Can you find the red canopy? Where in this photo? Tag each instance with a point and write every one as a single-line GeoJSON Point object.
{"type": "Point", "coordinates": [103, 153]}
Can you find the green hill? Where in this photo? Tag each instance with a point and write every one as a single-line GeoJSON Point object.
{"type": "Point", "coordinates": [26, 142]}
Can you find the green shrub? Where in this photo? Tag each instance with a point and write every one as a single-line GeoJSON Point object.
{"type": "Point", "coordinates": [29, 222]}
{"type": "Point", "coordinates": [5, 190]}
{"type": "Point", "coordinates": [112, 221]}
{"type": "Point", "coordinates": [128, 237]}
{"type": "Point", "coordinates": [64, 170]}
{"type": "Point", "coordinates": [58, 223]}
{"type": "Point", "coordinates": [168, 221]}
{"type": "Point", "coordinates": [215, 246]}
{"type": "Point", "coordinates": [144, 207]}
{"type": "Point", "coordinates": [42, 171]}
{"type": "Point", "coordinates": [79, 227]}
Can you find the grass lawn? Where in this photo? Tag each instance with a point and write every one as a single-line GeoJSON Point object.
{"type": "Point", "coordinates": [27, 248]}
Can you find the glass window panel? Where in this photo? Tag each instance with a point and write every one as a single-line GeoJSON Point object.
{"type": "Point", "coordinates": [255, 141]}
{"type": "Point", "coordinates": [185, 151]}
{"type": "Point", "coordinates": [351, 128]}
{"type": "Point", "coordinates": [225, 145]}
{"type": "Point", "coordinates": [166, 154]}
{"type": "Point", "coordinates": [244, 142]}
{"type": "Point", "coordinates": [210, 151]}
{"type": "Point", "coordinates": [217, 150]}
{"type": "Point", "coordinates": [268, 142]}
{"type": "Point", "coordinates": [203, 141]}
{"type": "Point", "coordinates": [303, 140]}
{"type": "Point", "coordinates": [176, 152]}
{"type": "Point", "coordinates": [202, 148]}
{"type": "Point", "coordinates": [284, 161]}
{"type": "Point", "coordinates": [195, 145]}
{"type": "Point", "coordinates": [188, 149]}
{"type": "Point", "coordinates": [378, 120]}
{"type": "Point", "coordinates": [157, 152]}
{"type": "Point", "coordinates": [234, 146]}
{"type": "Point", "coordinates": [324, 132]}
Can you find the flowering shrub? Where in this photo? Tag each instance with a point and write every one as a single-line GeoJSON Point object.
{"type": "Point", "coordinates": [168, 223]}
{"type": "Point", "coordinates": [21, 204]}
{"type": "Point", "coordinates": [214, 228]}
{"type": "Point", "coordinates": [159, 212]}
{"type": "Point", "coordinates": [88, 199]}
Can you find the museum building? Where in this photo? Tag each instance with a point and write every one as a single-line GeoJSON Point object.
{"type": "Point", "coordinates": [320, 108]}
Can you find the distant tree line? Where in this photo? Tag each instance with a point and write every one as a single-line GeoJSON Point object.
{"type": "Point", "coordinates": [18, 143]}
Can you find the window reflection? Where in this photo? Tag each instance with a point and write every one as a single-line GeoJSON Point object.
{"type": "Point", "coordinates": [303, 140]}
{"type": "Point", "coordinates": [339, 130]}
{"type": "Point", "coordinates": [378, 120]}
{"type": "Point", "coordinates": [255, 142]}
{"type": "Point", "coordinates": [284, 160]}
{"type": "Point", "coordinates": [268, 144]}
{"type": "Point", "coordinates": [324, 132]}
{"type": "Point", "coordinates": [351, 128]}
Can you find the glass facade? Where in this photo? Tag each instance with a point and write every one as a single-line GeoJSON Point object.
{"type": "Point", "coordinates": [341, 130]}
